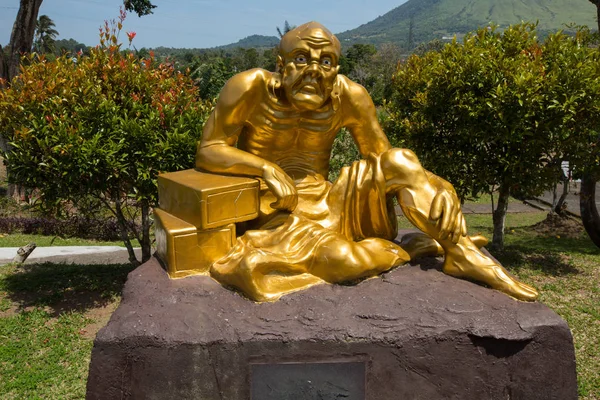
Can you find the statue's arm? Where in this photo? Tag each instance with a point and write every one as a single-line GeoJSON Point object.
{"type": "Point", "coordinates": [360, 118]}
{"type": "Point", "coordinates": [216, 151]}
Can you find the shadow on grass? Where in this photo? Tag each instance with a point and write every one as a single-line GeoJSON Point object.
{"type": "Point", "coordinates": [65, 287]}
{"type": "Point", "coordinates": [517, 258]}
{"type": "Point", "coordinates": [535, 242]}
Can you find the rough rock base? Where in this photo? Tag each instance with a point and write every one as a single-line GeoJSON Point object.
{"type": "Point", "coordinates": [413, 333]}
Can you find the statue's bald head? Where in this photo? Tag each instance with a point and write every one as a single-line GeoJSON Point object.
{"type": "Point", "coordinates": [313, 33]}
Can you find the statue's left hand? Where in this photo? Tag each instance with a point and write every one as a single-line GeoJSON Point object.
{"type": "Point", "coordinates": [445, 209]}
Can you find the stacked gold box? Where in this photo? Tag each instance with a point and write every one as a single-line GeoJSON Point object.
{"type": "Point", "coordinates": [195, 221]}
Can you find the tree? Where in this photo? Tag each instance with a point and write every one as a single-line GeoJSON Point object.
{"type": "Point", "coordinates": [382, 66]}
{"type": "Point", "coordinates": [210, 77]}
{"type": "Point", "coordinates": [587, 193]}
{"type": "Point", "coordinates": [355, 57]}
{"type": "Point", "coordinates": [45, 35]}
{"type": "Point", "coordinates": [102, 126]}
{"type": "Point", "coordinates": [597, 4]}
{"type": "Point", "coordinates": [500, 111]}
{"type": "Point", "coordinates": [286, 28]}
{"type": "Point", "coordinates": [140, 7]}
{"type": "Point", "coordinates": [21, 38]}
{"type": "Point", "coordinates": [70, 46]}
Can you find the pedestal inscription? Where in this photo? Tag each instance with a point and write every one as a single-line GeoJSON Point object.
{"type": "Point", "coordinates": [307, 381]}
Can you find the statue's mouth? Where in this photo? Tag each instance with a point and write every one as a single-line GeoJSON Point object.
{"type": "Point", "coordinates": [309, 88]}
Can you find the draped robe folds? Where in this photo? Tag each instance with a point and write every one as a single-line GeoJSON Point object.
{"type": "Point", "coordinates": [339, 232]}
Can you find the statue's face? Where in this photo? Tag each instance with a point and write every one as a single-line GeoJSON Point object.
{"type": "Point", "coordinates": [308, 63]}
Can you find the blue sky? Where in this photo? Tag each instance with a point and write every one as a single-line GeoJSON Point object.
{"type": "Point", "coordinates": [198, 23]}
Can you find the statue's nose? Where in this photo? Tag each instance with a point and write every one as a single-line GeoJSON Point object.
{"type": "Point", "coordinates": [314, 69]}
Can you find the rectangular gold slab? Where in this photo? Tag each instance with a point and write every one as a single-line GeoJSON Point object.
{"type": "Point", "coordinates": [186, 250]}
{"type": "Point", "coordinates": [206, 200]}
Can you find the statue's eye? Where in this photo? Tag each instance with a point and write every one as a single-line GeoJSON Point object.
{"type": "Point", "coordinates": [301, 59]}
{"type": "Point", "coordinates": [326, 61]}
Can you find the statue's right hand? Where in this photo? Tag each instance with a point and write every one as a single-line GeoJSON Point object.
{"type": "Point", "coordinates": [282, 186]}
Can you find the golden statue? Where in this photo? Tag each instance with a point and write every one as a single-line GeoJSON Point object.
{"type": "Point", "coordinates": [269, 142]}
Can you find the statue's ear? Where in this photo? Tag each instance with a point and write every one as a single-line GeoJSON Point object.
{"type": "Point", "coordinates": [279, 67]}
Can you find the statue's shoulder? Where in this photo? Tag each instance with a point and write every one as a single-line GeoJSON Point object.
{"type": "Point", "coordinates": [246, 83]}
{"type": "Point", "coordinates": [348, 89]}
{"type": "Point", "coordinates": [353, 98]}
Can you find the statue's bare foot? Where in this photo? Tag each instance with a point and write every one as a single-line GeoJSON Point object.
{"type": "Point", "coordinates": [419, 244]}
{"type": "Point", "coordinates": [474, 265]}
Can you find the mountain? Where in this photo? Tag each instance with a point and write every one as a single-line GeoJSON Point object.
{"type": "Point", "coordinates": [431, 19]}
{"type": "Point", "coordinates": [253, 41]}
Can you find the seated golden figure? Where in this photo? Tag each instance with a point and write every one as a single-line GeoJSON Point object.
{"type": "Point", "coordinates": [279, 128]}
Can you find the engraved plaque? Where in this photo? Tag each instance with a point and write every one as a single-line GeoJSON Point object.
{"type": "Point", "coordinates": [308, 381]}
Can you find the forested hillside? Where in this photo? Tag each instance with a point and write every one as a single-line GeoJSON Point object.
{"type": "Point", "coordinates": [418, 21]}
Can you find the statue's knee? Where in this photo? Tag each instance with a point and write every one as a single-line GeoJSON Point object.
{"type": "Point", "coordinates": [340, 260]}
{"type": "Point", "coordinates": [399, 157]}
{"type": "Point", "coordinates": [399, 162]}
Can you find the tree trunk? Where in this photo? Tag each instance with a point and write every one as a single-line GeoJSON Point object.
{"type": "Point", "coordinates": [123, 231]}
{"type": "Point", "coordinates": [558, 205]}
{"type": "Point", "coordinates": [554, 197]}
{"type": "Point", "coordinates": [21, 37]}
{"type": "Point", "coordinates": [499, 217]}
{"type": "Point", "coordinates": [3, 69]}
{"type": "Point", "coordinates": [21, 40]}
{"type": "Point", "coordinates": [587, 205]}
{"type": "Point", "coordinates": [145, 242]}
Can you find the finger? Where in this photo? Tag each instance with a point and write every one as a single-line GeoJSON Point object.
{"type": "Point", "coordinates": [287, 202]}
{"type": "Point", "coordinates": [280, 205]}
{"type": "Point", "coordinates": [458, 228]}
{"type": "Point", "coordinates": [455, 237]}
{"type": "Point", "coordinates": [436, 208]}
{"type": "Point", "coordinates": [294, 202]}
{"type": "Point", "coordinates": [291, 202]}
{"type": "Point", "coordinates": [276, 205]}
{"type": "Point", "coordinates": [446, 220]}
{"type": "Point", "coordinates": [453, 220]}
{"type": "Point", "coordinates": [464, 225]}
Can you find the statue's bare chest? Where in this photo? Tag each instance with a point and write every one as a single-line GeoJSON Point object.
{"type": "Point", "coordinates": [281, 129]}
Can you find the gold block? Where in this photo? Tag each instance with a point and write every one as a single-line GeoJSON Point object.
{"type": "Point", "coordinates": [185, 249]}
{"type": "Point", "coordinates": [206, 200]}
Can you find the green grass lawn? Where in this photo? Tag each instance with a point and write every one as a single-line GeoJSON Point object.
{"type": "Point", "coordinates": [49, 313]}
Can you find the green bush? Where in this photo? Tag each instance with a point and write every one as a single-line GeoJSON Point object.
{"type": "Point", "coordinates": [101, 125]}
{"type": "Point", "coordinates": [500, 110]}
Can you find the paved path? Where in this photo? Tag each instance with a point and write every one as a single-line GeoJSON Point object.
{"type": "Point", "coordinates": [477, 208]}
{"type": "Point", "coordinates": [572, 197]}
{"type": "Point", "coordinates": [71, 254]}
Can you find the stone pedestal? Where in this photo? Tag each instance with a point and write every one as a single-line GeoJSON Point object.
{"type": "Point", "coordinates": [413, 333]}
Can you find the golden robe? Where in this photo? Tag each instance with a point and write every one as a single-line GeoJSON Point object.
{"type": "Point", "coordinates": [322, 240]}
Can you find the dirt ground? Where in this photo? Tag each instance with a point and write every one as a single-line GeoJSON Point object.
{"type": "Point", "coordinates": [555, 225]}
